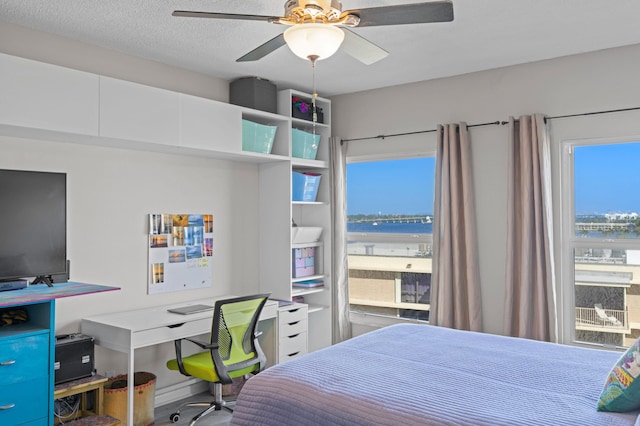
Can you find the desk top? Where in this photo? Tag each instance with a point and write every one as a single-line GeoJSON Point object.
{"type": "Point", "coordinates": [138, 320]}
{"type": "Point", "coordinates": [42, 293]}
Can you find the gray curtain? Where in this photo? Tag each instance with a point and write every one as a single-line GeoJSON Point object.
{"type": "Point", "coordinates": [455, 281]}
{"type": "Point", "coordinates": [340, 267]}
{"type": "Point", "coordinates": [530, 298]}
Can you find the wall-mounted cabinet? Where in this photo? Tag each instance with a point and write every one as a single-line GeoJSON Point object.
{"type": "Point", "coordinates": [137, 112]}
{"type": "Point", "coordinates": [48, 102]}
{"type": "Point", "coordinates": [42, 96]}
{"type": "Point", "coordinates": [209, 125]}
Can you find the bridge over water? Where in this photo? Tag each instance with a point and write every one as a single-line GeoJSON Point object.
{"type": "Point", "coordinates": [398, 219]}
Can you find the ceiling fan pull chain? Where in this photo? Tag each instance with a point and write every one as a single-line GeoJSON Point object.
{"type": "Point", "coordinates": [314, 95]}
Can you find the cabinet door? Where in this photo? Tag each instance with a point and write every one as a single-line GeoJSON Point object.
{"type": "Point", "coordinates": [211, 125]}
{"type": "Point", "coordinates": [137, 112]}
{"type": "Point", "coordinates": [44, 96]}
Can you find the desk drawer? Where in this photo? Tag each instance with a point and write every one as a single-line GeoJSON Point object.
{"type": "Point", "coordinates": [24, 358]}
{"type": "Point", "coordinates": [292, 314]}
{"type": "Point", "coordinates": [178, 330]}
{"type": "Point", "coordinates": [292, 345]}
{"type": "Point", "coordinates": [270, 310]}
{"type": "Point", "coordinates": [25, 402]}
{"type": "Point", "coordinates": [291, 328]}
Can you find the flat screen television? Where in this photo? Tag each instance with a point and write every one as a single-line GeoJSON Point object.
{"type": "Point", "coordinates": [33, 225]}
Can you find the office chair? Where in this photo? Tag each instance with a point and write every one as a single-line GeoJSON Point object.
{"type": "Point", "coordinates": [233, 350]}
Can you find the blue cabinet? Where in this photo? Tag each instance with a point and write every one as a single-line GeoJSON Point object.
{"type": "Point", "coordinates": [27, 353]}
{"type": "Point", "coordinates": [25, 368]}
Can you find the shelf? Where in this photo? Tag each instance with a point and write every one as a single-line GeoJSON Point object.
{"type": "Point", "coordinates": [263, 158]}
{"type": "Point", "coordinates": [309, 278]}
{"type": "Point", "coordinates": [311, 308]}
{"type": "Point", "coordinates": [305, 291]}
{"type": "Point", "coordinates": [306, 123]}
{"type": "Point", "coordinates": [309, 203]}
{"type": "Point", "coordinates": [304, 245]}
{"type": "Point", "coordinates": [306, 163]}
{"type": "Point", "coordinates": [25, 329]}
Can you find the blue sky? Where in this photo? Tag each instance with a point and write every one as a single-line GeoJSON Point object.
{"type": "Point", "coordinates": [391, 187]}
{"type": "Point", "coordinates": [607, 178]}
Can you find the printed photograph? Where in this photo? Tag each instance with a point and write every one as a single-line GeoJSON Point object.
{"type": "Point", "coordinates": [194, 252]}
{"type": "Point", "coordinates": [198, 235]}
{"type": "Point", "coordinates": [178, 235]}
{"type": "Point", "coordinates": [180, 220]}
{"type": "Point", "coordinates": [188, 236]}
{"type": "Point", "coordinates": [156, 241]}
{"type": "Point", "coordinates": [196, 220]}
{"type": "Point", "coordinates": [177, 256]}
{"type": "Point", "coordinates": [158, 273]}
{"type": "Point", "coordinates": [155, 224]}
{"type": "Point", "coordinates": [166, 225]}
{"type": "Point", "coordinates": [208, 223]}
{"type": "Point", "coordinates": [208, 247]}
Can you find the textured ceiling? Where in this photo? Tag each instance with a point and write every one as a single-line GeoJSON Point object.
{"type": "Point", "coordinates": [484, 34]}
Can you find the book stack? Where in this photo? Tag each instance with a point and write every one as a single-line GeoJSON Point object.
{"type": "Point", "coordinates": [309, 284]}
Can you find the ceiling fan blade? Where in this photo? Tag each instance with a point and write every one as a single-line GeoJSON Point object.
{"type": "Point", "coordinates": [194, 14]}
{"type": "Point", "coordinates": [264, 49]}
{"type": "Point", "coordinates": [361, 48]}
{"type": "Point", "coordinates": [417, 13]}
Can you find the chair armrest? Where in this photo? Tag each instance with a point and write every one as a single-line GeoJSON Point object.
{"type": "Point", "coordinates": [178, 346]}
{"type": "Point", "coordinates": [203, 345]}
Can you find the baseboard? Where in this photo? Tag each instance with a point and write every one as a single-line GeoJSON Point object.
{"type": "Point", "coordinates": [180, 391]}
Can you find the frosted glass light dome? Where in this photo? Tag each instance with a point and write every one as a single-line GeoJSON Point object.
{"type": "Point", "coordinates": [314, 40]}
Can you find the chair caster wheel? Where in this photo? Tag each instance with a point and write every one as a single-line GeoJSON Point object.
{"type": "Point", "coordinates": [174, 417]}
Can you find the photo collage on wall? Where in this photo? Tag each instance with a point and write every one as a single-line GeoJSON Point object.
{"type": "Point", "coordinates": [180, 252]}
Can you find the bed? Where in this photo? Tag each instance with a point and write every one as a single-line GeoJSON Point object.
{"type": "Point", "coordinates": [411, 374]}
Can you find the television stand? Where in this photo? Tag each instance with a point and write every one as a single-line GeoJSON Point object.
{"type": "Point", "coordinates": [43, 279]}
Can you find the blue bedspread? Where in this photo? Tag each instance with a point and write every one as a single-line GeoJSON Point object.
{"type": "Point", "coordinates": [426, 375]}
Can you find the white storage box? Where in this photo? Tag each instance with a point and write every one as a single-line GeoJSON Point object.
{"type": "Point", "coordinates": [305, 234]}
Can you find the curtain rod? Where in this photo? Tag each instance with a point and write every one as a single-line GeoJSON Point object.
{"type": "Point", "coordinates": [496, 123]}
{"type": "Point", "coordinates": [493, 123]}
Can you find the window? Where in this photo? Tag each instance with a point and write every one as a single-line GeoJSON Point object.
{"type": "Point", "coordinates": [390, 214]}
{"type": "Point", "coordinates": [601, 249]}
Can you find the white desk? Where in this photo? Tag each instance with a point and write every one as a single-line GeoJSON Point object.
{"type": "Point", "coordinates": [127, 331]}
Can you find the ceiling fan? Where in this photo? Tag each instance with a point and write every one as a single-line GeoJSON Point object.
{"type": "Point", "coordinates": [317, 28]}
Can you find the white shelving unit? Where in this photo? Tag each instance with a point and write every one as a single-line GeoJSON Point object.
{"type": "Point", "coordinates": [316, 214]}
{"type": "Point", "coordinates": [108, 112]}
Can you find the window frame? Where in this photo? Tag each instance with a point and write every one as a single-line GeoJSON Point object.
{"type": "Point", "coordinates": [568, 242]}
{"type": "Point", "coordinates": [429, 151]}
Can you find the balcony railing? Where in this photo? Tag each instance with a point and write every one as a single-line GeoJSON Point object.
{"type": "Point", "coordinates": [613, 321]}
{"type": "Point", "coordinates": [390, 244]}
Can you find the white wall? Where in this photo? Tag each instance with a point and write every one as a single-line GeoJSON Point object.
{"type": "Point", "coordinates": [111, 192]}
{"type": "Point", "coordinates": [589, 82]}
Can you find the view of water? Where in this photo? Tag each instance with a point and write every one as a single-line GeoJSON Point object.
{"type": "Point", "coordinates": [391, 228]}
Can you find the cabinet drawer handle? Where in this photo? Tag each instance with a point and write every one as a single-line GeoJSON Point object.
{"type": "Point", "coordinates": [294, 310]}
{"type": "Point", "coordinates": [293, 323]}
{"type": "Point", "coordinates": [293, 354]}
{"type": "Point", "coordinates": [293, 336]}
{"type": "Point", "coordinates": [9, 362]}
{"type": "Point", "coordinates": [7, 407]}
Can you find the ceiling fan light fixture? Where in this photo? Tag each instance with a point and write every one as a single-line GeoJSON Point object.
{"type": "Point", "coordinates": [317, 41]}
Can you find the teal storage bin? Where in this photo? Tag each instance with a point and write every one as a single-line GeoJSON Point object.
{"type": "Point", "coordinates": [304, 144]}
{"type": "Point", "coordinates": [304, 186]}
{"type": "Point", "coordinates": [257, 137]}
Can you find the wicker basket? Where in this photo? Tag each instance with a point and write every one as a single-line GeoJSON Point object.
{"type": "Point", "coordinates": [115, 398]}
